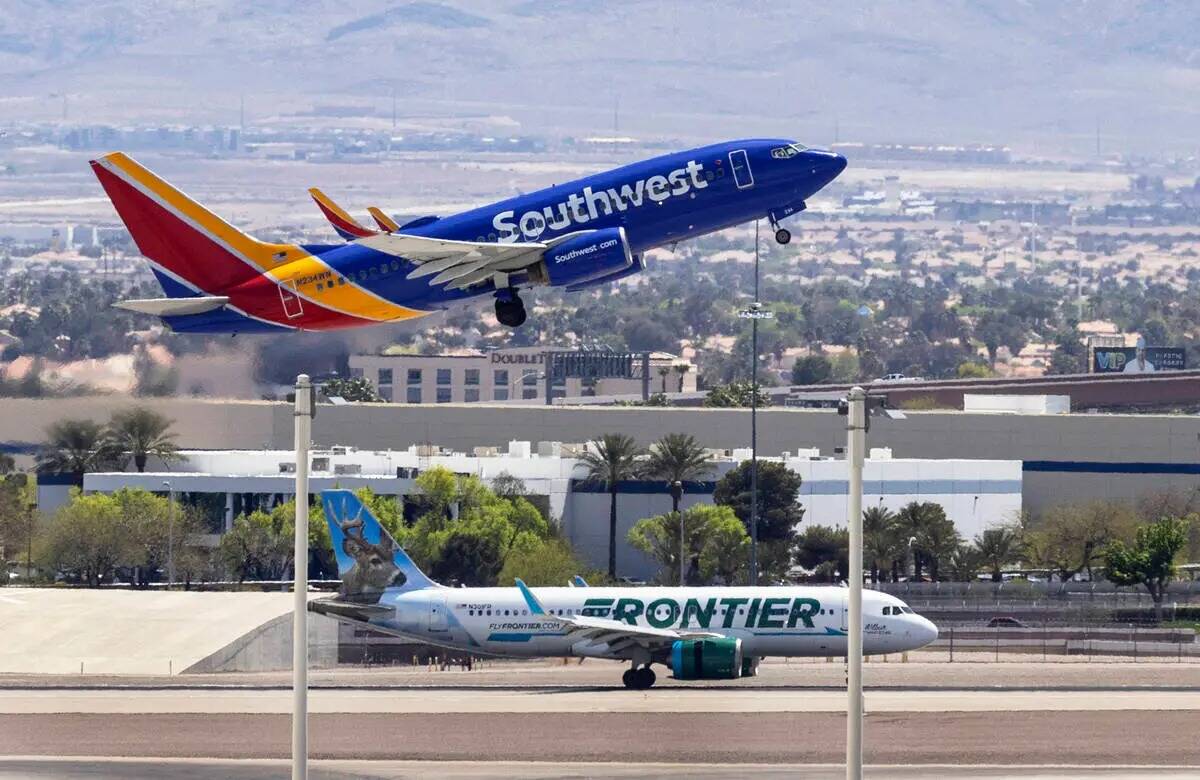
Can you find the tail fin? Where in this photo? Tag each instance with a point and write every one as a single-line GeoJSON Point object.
{"type": "Point", "coordinates": [385, 222]}
{"type": "Point", "coordinates": [346, 226]}
{"type": "Point", "coordinates": [194, 251]}
{"type": "Point", "coordinates": [369, 560]}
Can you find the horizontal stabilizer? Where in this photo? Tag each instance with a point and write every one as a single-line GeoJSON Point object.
{"type": "Point", "coordinates": [173, 307]}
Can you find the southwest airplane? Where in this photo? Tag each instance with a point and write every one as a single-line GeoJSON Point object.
{"type": "Point", "coordinates": [591, 231]}
{"type": "Point", "coordinates": [699, 633]}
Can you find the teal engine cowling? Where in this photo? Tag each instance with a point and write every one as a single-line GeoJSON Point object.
{"type": "Point", "coordinates": [584, 258]}
{"type": "Point", "coordinates": [706, 659]}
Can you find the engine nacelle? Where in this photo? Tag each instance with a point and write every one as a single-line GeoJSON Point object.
{"type": "Point", "coordinates": [585, 258]}
{"type": "Point", "coordinates": [706, 659]}
{"type": "Point", "coordinates": [637, 267]}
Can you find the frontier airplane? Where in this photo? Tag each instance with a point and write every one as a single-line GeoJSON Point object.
{"type": "Point", "coordinates": [699, 633]}
{"type": "Point", "coordinates": [591, 231]}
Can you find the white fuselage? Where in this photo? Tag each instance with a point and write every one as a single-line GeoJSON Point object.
{"type": "Point", "coordinates": [770, 621]}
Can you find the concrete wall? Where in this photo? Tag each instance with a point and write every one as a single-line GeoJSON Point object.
{"type": "Point", "coordinates": [268, 648]}
{"type": "Point", "coordinates": [1068, 457]}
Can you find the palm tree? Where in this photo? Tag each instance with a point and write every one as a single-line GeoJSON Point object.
{"type": "Point", "coordinates": [681, 369]}
{"type": "Point", "coordinates": [138, 433]}
{"type": "Point", "coordinates": [932, 534]}
{"type": "Point", "coordinates": [74, 447]}
{"type": "Point", "coordinates": [664, 372]}
{"type": "Point", "coordinates": [612, 459]}
{"type": "Point", "coordinates": [880, 539]}
{"type": "Point", "coordinates": [677, 458]}
{"type": "Point", "coordinates": [999, 547]}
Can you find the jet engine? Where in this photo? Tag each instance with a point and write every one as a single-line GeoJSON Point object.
{"type": "Point", "coordinates": [584, 258]}
{"type": "Point", "coordinates": [706, 659]}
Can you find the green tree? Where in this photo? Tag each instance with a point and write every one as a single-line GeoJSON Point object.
{"type": "Point", "coordinates": [612, 459]}
{"type": "Point", "coordinates": [714, 538]}
{"type": "Point", "coordinates": [998, 547]}
{"type": "Point", "coordinates": [779, 514]}
{"type": "Point", "coordinates": [553, 563]}
{"type": "Point", "coordinates": [356, 389]}
{"type": "Point", "coordinates": [137, 434]}
{"type": "Point", "coordinates": [812, 370]}
{"type": "Point", "coordinates": [825, 551]}
{"type": "Point", "coordinates": [934, 538]}
{"type": "Point", "coordinates": [7, 463]}
{"type": "Point", "coordinates": [735, 394]}
{"type": "Point", "coordinates": [1069, 538]}
{"type": "Point", "coordinates": [882, 545]}
{"type": "Point", "coordinates": [973, 370]}
{"type": "Point", "coordinates": [1150, 560]}
{"type": "Point", "coordinates": [468, 558]}
{"type": "Point", "coordinates": [965, 562]}
{"type": "Point", "coordinates": [260, 544]}
{"type": "Point", "coordinates": [86, 540]}
{"type": "Point", "coordinates": [75, 447]}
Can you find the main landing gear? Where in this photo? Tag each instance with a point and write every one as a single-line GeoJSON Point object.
{"type": "Point", "coordinates": [639, 679]}
{"type": "Point", "coordinates": [510, 309]}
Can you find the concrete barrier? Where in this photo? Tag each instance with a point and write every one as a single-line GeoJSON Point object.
{"type": "Point", "coordinates": [74, 631]}
{"type": "Point", "coordinates": [268, 648]}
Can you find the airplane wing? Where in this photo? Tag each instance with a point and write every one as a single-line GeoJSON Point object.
{"type": "Point", "coordinates": [614, 633]}
{"type": "Point", "coordinates": [457, 264]}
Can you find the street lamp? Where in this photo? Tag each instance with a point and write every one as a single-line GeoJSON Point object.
{"type": "Point", "coordinates": [170, 534]}
{"type": "Point", "coordinates": [754, 313]}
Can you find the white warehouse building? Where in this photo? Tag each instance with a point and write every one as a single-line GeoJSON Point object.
{"type": "Point", "coordinates": [976, 494]}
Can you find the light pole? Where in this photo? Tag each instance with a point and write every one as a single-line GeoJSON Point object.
{"type": "Point", "coordinates": [754, 313]}
{"type": "Point", "coordinates": [31, 515]}
{"type": "Point", "coordinates": [856, 434]}
{"type": "Point", "coordinates": [170, 534]}
{"type": "Point", "coordinates": [303, 414]}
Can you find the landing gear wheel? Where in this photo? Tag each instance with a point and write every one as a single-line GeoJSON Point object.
{"type": "Point", "coordinates": [511, 313]}
{"type": "Point", "coordinates": [639, 679]}
{"type": "Point", "coordinates": [783, 235]}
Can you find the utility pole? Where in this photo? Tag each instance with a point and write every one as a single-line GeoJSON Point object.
{"type": "Point", "coordinates": [303, 415]}
{"type": "Point", "coordinates": [856, 435]}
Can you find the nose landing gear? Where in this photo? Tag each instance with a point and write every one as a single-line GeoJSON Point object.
{"type": "Point", "coordinates": [510, 309]}
{"type": "Point", "coordinates": [783, 235]}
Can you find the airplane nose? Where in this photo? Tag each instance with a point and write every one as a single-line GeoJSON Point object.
{"type": "Point", "coordinates": [925, 631]}
{"type": "Point", "coordinates": [826, 165]}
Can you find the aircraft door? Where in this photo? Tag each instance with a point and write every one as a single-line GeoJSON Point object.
{"type": "Point", "coordinates": [740, 164]}
{"type": "Point", "coordinates": [292, 307]}
{"type": "Point", "coordinates": [845, 612]}
{"type": "Point", "coordinates": [437, 614]}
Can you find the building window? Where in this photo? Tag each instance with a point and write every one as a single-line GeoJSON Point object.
{"type": "Point", "coordinates": [529, 379]}
{"type": "Point", "coordinates": [356, 373]}
{"type": "Point", "coordinates": [443, 376]}
{"type": "Point", "coordinates": [414, 395]}
{"type": "Point", "coordinates": [471, 376]}
{"type": "Point", "coordinates": [500, 377]}
{"type": "Point", "coordinates": [386, 393]}
{"type": "Point", "coordinates": [500, 394]}
{"type": "Point", "coordinates": [471, 395]}
{"type": "Point", "coordinates": [414, 376]}
{"type": "Point", "coordinates": [443, 395]}
{"type": "Point", "coordinates": [385, 376]}
{"type": "Point", "coordinates": [529, 393]}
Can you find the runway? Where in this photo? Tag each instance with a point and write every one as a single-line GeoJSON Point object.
{"type": "Point", "coordinates": [94, 768]}
{"type": "Point", "coordinates": [1057, 721]}
{"type": "Point", "coordinates": [583, 699]}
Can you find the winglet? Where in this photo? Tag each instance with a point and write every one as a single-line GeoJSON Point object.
{"type": "Point", "coordinates": [580, 582]}
{"type": "Point", "coordinates": [535, 607]}
{"type": "Point", "coordinates": [383, 220]}
{"type": "Point", "coordinates": [346, 226]}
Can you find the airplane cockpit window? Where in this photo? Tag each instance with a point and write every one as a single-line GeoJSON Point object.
{"type": "Point", "coordinates": [799, 147]}
{"type": "Point", "coordinates": [887, 610]}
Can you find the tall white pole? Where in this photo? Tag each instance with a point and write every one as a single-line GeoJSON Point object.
{"type": "Point", "coordinates": [303, 417]}
{"type": "Point", "coordinates": [856, 431]}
